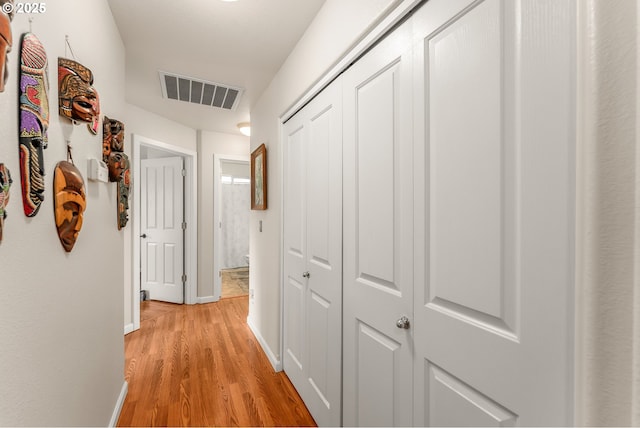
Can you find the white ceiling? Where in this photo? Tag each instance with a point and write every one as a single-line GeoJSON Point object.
{"type": "Point", "coordinates": [241, 44]}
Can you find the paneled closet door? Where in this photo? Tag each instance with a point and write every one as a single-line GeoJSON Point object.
{"type": "Point", "coordinates": [312, 144]}
{"type": "Point", "coordinates": [378, 242]}
{"type": "Point", "coordinates": [494, 212]}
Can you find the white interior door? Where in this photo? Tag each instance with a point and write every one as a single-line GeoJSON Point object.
{"type": "Point", "coordinates": [378, 242]}
{"type": "Point", "coordinates": [494, 213]}
{"type": "Point", "coordinates": [313, 255]}
{"type": "Point", "coordinates": [162, 236]}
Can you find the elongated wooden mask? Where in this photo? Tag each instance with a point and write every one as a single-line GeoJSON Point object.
{"type": "Point", "coordinates": [5, 184]}
{"type": "Point", "coordinates": [124, 187]}
{"type": "Point", "coordinates": [34, 121]}
{"type": "Point", "coordinates": [77, 98]}
{"type": "Point", "coordinates": [112, 137]}
{"type": "Point", "coordinates": [69, 203]}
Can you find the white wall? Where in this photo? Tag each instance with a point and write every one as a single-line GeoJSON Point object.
{"type": "Point", "coordinates": [339, 25]}
{"type": "Point", "coordinates": [141, 122]}
{"type": "Point", "coordinates": [209, 144]}
{"type": "Point", "coordinates": [61, 352]}
{"type": "Point", "coordinates": [608, 237]}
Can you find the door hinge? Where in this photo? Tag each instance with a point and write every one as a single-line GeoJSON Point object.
{"type": "Point", "coordinates": [184, 279]}
{"type": "Point", "coordinates": [184, 172]}
{"type": "Point", "coordinates": [184, 225]}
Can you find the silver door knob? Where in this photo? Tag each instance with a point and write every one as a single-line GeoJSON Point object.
{"type": "Point", "coordinates": [306, 274]}
{"type": "Point", "coordinates": [403, 323]}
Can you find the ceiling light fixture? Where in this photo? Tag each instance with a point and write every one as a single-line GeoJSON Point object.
{"type": "Point", "coordinates": [245, 128]}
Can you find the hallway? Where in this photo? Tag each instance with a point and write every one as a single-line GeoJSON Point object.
{"type": "Point", "coordinates": [200, 365]}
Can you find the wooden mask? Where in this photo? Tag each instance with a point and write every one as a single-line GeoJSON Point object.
{"type": "Point", "coordinates": [124, 187]}
{"type": "Point", "coordinates": [77, 98]}
{"type": "Point", "coordinates": [34, 121]}
{"type": "Point", "coordinates": [69, 203]}
{"type": "Point", "coordinates": [5, 184]}
{"type": "Point", "coordinates": [112, 137]}
{"type": "Point", "coordinates": [6, 40]}
{"type": "Point", "coordinates": [118, 162]}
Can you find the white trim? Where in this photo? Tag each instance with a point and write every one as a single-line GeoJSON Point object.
{"type": "Point", "coordinates": [118, 408]}
{"type": "Point", "coordinates": [128, 328]}
{"type": "Point", "coordinates": [217, 203]}
{"type": "Point", "coordinates": [275, 363]}
{"type": "Point", "coordinates": [206, 299]}
{"type": "Point", "coordinates": [191, 217]}
{"type": "Point", "coordinates": [376, 31]}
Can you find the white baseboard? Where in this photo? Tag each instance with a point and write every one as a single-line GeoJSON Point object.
{"type": "Point", "coordinates": [206, 299]}
{"type": "Point", "coordinates": [119, 404]}
{"type": "Point", "coordinates": [128, 328]}
{"type": "Point", "coordinates": [275, 363]}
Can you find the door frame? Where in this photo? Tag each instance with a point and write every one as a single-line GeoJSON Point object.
{"type": "Point", "coordinates": [217, 216]}
{"type": "Point", "coordinates": [190, 217]}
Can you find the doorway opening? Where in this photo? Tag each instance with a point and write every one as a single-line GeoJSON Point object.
{"type": "Point", "coordinates": [144, 150]}
{"type": "Point", "coordinates": [232, 209]}
{"type": "Point", "coordinates": [234, 231]}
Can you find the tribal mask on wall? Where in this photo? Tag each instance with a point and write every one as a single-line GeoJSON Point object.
{"type": "Point", "coordinates": [112, 137]}
{"type": "Point", "coordinates": [77, 99]}
{"type": "Point", "coordinates": [124, 187]}
{"type": "Point", "coordinates": [118, 162]}
{"type": "Point", "coordinates": [6, 41]}
{"type": "Point", "coordinates": [69, 204]}
{"type": "Point", "coordinates": [34, 121]}
{"type": "Point", "coordinates": [5, 184]}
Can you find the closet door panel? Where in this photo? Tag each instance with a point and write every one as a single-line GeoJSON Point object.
{"type": "Point", "coordinates": [295, 253]}
{"type": "Point", "coordinates": [324, 263]}
{"type": "Point", "coordinates": [493, 220]}
{"type": "Point", "coordinates": [313, 254]}
{"type": "Point", "coordinates": [378, 287]}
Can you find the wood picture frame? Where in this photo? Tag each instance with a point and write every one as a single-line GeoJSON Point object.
{"type": "Point", "coordinates": [259, 178]}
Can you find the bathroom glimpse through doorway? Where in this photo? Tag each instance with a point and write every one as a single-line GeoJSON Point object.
{"type": "Point", "coordinates": [235, 208]}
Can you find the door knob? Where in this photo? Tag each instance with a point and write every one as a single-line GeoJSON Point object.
{"type": "Point", "coordinates": [144, 235]}
{"type": "Point", "coordinates": [306, 275]}
{"type": "Point", "coordinates": [403, 323]}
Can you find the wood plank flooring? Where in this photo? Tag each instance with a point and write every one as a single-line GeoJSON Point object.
{"type": "Point", "coordinates": [200, 365]}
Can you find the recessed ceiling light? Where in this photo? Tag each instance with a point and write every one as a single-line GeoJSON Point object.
{"type": "Point", "coordinates": [229, 0]}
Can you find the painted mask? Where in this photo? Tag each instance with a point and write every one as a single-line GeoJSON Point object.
{"type": "Point", "coordinates": [124, 187]}
{"type": "Point", "coordinates": [94, 126]}
{"type": "Point", "coordinates": [69, 203]}
{"type": "Point", "coordinates": [5, 184]}
{"type": "Point", "coordinates": [112, 137]}
{"type": "Point", "coordinates": [77, 99]}
{"type": "Point", "coordinates": [6, 41]}
{"type": "Point", "coordinates": [118, 162]}
{"type": "Point", "coordinates": [34, 121]}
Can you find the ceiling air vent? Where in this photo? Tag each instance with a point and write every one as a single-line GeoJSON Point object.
{"type": "Point", "coordinates": [188, 89]}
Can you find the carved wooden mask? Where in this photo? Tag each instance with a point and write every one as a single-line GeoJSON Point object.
{"type": "Point", "coordinates": [34, 121]}
{"type": "Point", "coordinates": [124, 187]}
{"type": "Point", "coordinates": [6, 41]}
{"type": "Point", "coordinates": [112, 137]}
{"type": "Point", "coordinates": [118, 162]}
{"type": "Point", "coordinates": [69, 203]}
{"type": "Point", "coordinates": [5, 184]}
{"type": "Point", "coordinates": [77, 98]}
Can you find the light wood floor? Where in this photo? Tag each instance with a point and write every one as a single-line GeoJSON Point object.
{"type": "Point", "coordinates": [200, 365]}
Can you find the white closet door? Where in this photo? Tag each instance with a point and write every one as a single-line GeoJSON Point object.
{"type": "Point", "coordinates": [313, 254]}
{"type": "Point", "coordinates": [494, 213]}
{"type": "Point", "coordinates": [378, 243]}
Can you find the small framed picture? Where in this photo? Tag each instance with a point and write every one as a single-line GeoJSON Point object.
{"type": "Point", "coordinates": [259, 178]}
